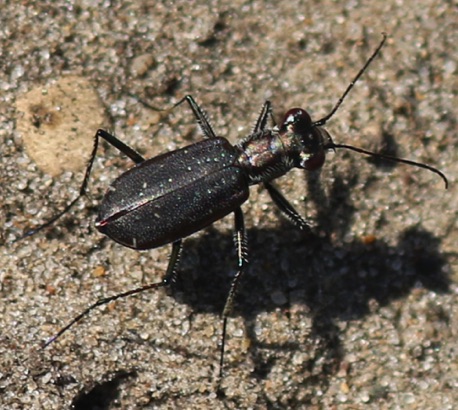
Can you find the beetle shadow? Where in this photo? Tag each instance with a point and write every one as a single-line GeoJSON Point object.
{"type": "Point", "coordinates": [335, 279]}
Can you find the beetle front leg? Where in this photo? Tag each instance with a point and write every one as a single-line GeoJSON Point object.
{"type": "Point", "coordinates": [261, 122]}
{"type": "Point", "coordinates": [285, 207]}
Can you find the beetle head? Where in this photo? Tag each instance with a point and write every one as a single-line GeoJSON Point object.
{"type": "Point", "coordinates": [312, 139]}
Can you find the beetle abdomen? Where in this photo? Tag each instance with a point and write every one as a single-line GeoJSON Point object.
{"type": "Point", "coordinates": [173, 195]}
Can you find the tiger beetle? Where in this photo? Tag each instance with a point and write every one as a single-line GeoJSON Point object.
{"type": "Point", "coordinates": [169, 197]}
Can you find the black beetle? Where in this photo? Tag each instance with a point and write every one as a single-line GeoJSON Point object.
{"type": "Point", "coordinates": [167, 198]}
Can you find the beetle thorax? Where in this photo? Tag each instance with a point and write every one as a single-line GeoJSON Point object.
{"type": "Point", "coordinates": [268, 155]}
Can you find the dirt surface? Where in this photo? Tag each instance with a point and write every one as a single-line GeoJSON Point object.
{"type": "Point", "coordinates": [361, 313]}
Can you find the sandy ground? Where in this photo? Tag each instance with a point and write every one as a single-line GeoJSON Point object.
{"type": "Point", "coordinates": [362, 313]}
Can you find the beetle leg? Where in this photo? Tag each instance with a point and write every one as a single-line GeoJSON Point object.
{"type": "Point", "coordinates": [261, 122]}
{"type": "Point", "coordinates": [287, 209]}
{"type": "Point", "coordinates": [242, 254]}
{"type": "Point", "coordinates": [171, 272]}
{"type": "Point", "coordinates": [112, 140]}
{"type": "Point", "coordinates": [119, 145]}
{"type": "Point", "coordinates": [200, 115]}
{"type": "Point", "coordinates": [168, 279]}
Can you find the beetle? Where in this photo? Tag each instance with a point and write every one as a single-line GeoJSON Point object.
{"type": "Point", "coordinates": [171, 196]}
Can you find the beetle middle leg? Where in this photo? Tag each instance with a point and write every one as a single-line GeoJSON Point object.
{"type": "Point", "coordinates": [242, 256]}
{"type": "Point", "coordinates": [199, 114]}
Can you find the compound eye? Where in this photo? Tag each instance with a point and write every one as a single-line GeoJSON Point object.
{"type": "Point", "coordinates": [297, 120]}
{"type": "Point", "coordinates": [313, 161]}
{"type": "Point", "coordinates": [314, 148]}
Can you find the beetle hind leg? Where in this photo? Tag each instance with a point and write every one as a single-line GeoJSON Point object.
{"type": "Point", "coordinates": [112, 140]}
{"type": "Point", "coordinates": [169, 278]}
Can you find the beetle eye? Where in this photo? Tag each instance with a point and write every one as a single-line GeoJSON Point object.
{"type": "Point", "coordinates": [297, 120]}
{"type": "Point", "coordinates": [312, 161]}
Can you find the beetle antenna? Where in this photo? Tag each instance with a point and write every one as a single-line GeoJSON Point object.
{"type": "Point", "coordinates": [325, 119]}
{"type": "Point", "coordinates": [391, 158]}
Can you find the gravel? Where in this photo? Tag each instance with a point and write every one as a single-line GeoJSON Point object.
{"type": "Point", "coordinates": [362, 313]}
